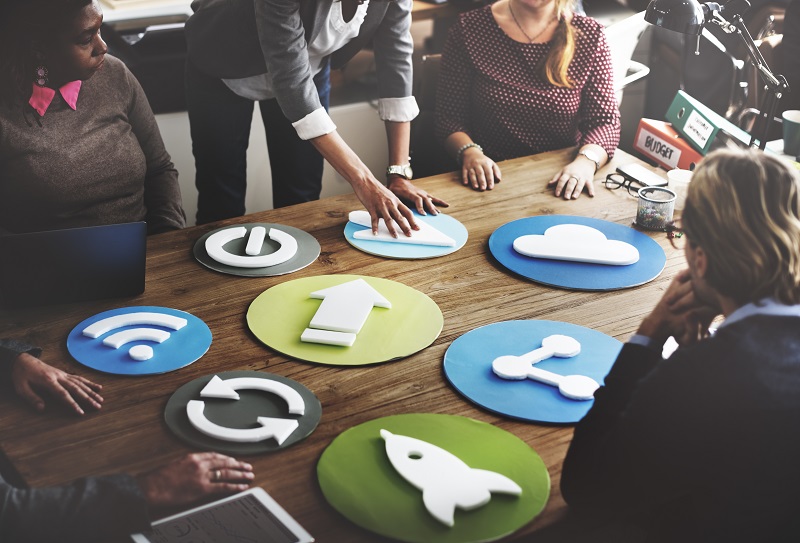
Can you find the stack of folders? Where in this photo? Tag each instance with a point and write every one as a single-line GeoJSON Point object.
{"type": "Point", "coordinates": [659, 142]}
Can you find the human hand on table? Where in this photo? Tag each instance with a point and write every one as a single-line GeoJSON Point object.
{"type": "Point", "coordinates": [573, 178]}
{"type": "Point", "coordinates": [194, 476]}
{"type": "Point", "coordinates": [680, 314]}
{"type": "Point", "coordinates": [381, 203]}
{"type": "Point", "coordinates": [30, 376]}
{"type": "Point", "coordinates": [478, 171]}
{"type": "Point", "coordinates": [422, 201]}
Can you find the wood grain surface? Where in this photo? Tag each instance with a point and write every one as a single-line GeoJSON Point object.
{"type": "Point", "coordinates": [471, 289]}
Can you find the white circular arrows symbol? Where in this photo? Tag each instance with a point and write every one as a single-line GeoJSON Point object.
{"type": "Point", "coordinates": [215, 247]}
{"type": "Point", "coordinates": [279, 429]}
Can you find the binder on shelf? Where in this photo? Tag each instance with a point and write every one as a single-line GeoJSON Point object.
{"type": "Point", "coordinates": [661, 143]}
{"type": "Point", "coordinates": [700, 125]}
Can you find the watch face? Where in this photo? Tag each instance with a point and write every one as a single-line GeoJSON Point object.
{"type": "Point", "coordinates": [408, 172]}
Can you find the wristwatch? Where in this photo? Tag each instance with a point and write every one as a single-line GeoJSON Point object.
{"type": "Point", "coordinates": [403, 170]}
{"type": "Point", "coordinates": [591, 155]}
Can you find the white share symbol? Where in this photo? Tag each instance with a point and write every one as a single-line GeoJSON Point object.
{"type": "Point", "coordinates": [574, 387]}
{"type": "Point", "coordinates": [279, 429]}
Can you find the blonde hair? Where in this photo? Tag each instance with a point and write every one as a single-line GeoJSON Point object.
{"type": "Point", "coordinates": [556, 63]}
{"type": "Point", "coordinates": [743, 209]}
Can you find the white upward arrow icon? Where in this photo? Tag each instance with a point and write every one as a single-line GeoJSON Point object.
{"type": "Point", "coordinates": [342, 313]}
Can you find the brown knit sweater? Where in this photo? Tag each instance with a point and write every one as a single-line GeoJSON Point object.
{"type": "Point", "coordinates": [100, 164]}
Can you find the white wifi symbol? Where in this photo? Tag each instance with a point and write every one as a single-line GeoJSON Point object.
{"type": "Point", "coordinates": [117, 340]}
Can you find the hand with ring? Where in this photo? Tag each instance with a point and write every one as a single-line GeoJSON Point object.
{"type": "Point", "coordinates": [573, 178]}
{"type": "Point", "coordinates": [194, 476]}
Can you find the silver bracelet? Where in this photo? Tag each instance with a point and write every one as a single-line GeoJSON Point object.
{"type": "Point", "coordinates": [464, 148]}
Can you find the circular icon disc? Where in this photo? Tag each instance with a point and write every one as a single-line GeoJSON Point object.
{"type": "Point", "coordinates": [468, 367]}
{"type": "Point", "coordinates": [577, 275]}
{"type": "Point", "coordinates": [180, 348]}
{"type": "Point", "coordinates": [444, 223]}
{"type": "Point", "coordinates": [360, 482]}
{"type": "Point", "coordinates": [280, 314]}
{"type": "Point", "coordinates": [307, 251]}
{"type": "Point", "coordinates": [241, 414]}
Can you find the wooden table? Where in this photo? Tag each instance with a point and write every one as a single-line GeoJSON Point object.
{"type": "Point", "coordinates": [472, 290]}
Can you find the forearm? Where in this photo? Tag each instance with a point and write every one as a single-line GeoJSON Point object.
{"type": "Point", "coordinates": [398, 136]}
{"type": "Point", "coordinates": [343, 159]}
{"type": "Point", "coordinates": [455, 142]}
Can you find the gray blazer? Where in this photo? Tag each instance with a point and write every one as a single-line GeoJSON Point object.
{"type": "Point", "coordinates": [232, 39]}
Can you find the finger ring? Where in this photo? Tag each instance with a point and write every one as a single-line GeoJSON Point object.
{"type": "Point", "coordinates": [217, 475]}
{"type": "Point", "coordinates": [573, 177]}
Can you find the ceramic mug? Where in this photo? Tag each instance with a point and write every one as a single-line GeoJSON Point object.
{"type": "Point", "coordinates": [791, 132]}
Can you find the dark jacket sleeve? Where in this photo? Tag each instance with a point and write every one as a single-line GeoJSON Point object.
{"type": "Point", "coordinates": [630, 451]}
{"type": "Point", "coordinates": [91, 509]}
{"type": "Point", "coordinates": [10, 349]}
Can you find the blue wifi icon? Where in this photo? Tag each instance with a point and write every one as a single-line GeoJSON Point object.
{"type": "Point", "coordinates": [142, 340]}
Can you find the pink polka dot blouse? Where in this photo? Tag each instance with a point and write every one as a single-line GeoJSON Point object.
{"type": "Point", "coordinates": [489, 87]}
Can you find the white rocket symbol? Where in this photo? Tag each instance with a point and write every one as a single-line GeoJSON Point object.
{"type": "Point", "coordinates": [444, 479]}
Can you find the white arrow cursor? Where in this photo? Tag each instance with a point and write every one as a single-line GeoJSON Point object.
{"type": "Point", "coordinates": [342, 313]}
{"type": "Point", "coordinates": [280, 429]}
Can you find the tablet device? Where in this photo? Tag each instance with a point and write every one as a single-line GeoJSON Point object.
{"type": "Point", "coordinates": [72, 264]}
{"type": "Point", "coordinates": [251, 515]}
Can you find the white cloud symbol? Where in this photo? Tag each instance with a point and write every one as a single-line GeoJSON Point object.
{"type": "Point", "coordinates": [577, 243]}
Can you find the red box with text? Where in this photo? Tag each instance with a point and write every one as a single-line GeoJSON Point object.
{"type": "Point", "coordinates": [659, 142]}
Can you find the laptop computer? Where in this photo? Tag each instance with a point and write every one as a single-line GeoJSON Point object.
{"type": "Point", "coordinates": [70, 265]}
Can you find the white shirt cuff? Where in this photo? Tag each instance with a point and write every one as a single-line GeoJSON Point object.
{"type": "Point", "coordinates": [644, 341]}
{"type": "Point", "coordinates": [315, 124]}
{"type": "Point", "coordinates": [399, 110]}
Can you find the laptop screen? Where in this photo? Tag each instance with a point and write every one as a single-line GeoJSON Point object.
{"type": "Point", "coordinates": [70, 265]}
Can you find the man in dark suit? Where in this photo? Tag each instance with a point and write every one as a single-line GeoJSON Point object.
{"type": "Point", "coordinates": [704, 445]}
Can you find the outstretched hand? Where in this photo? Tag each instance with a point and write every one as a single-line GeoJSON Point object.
{"type": "Point", "coordinates": [194, 476]}
{"type": "Point", "coordinates": [381, 203]}
{"type": "Point", "coordinates": [408, 192]}
{"type": "Point", "coordinates": [31, 376]}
